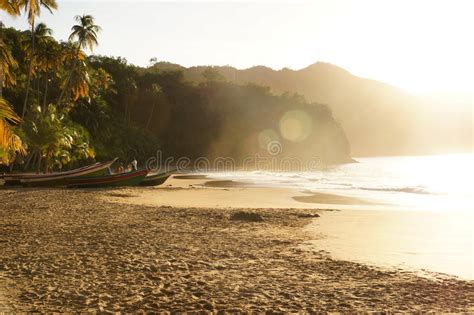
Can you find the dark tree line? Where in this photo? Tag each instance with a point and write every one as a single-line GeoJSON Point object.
{"type": "Point", "coordinates": [101, 107]}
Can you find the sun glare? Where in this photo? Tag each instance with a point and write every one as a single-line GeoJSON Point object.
{"type": "Point", "coordinates": [422, 46]}
{"type": "Point", "coordinates": [295, 125]}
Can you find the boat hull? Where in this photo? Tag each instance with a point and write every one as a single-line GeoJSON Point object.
{"type": "Point", "coordinates": [15, 179]}
{"type": "Point", "coordinates": [59, 179]}
{"type": "Point", "coordinates": [156, 179]}
{"type": "Point", "coordinates": [12, 181]}
{"type": "Point", "coordinates": [116, 180]}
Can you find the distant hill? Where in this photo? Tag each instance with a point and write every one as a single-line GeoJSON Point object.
{"type": "Point", "coordinates": [115, 109]}
{"type": "Point", "coordinates": [379, 119]}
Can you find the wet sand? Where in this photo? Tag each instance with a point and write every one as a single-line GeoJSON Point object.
{"type": "Point", "coordinates": [409, 240]}
{"type": "Point", "coordinates": [325, 198]}
{"type": "Point", "coordinates": [200, 191]}
{"type": "Point", "coordinates": [100, 250]}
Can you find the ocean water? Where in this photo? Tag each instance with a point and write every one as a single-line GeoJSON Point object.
{"type": "Point", "coordinates": [436, 182]}
{"type": "Point", "coordinates": [428, 225]}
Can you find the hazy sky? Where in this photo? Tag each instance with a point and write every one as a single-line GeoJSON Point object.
{"type": "Point", "coordinates": [422, 46]}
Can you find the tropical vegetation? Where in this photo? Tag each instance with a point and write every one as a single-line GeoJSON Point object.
{"type": "Point", "coordinates": [75, 108]}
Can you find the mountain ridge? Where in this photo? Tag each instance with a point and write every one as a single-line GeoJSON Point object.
{"type": "Point", "coordinates": [379, 118]}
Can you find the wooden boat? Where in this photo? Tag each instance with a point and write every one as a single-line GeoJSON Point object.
{"type": "Point", "coordinates": [58, 179]}
{"type": "Point", "coordinates": [157, 178]}
{"type": "Point", "coordinates": [15, 179]}
{"type": "Point", "coordinates": [114, 180]}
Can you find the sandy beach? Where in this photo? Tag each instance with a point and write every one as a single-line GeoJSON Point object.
{"type": "Point", "coordinates": [180, 247]}
{"type": "Point", "coordinates": [219, 157]}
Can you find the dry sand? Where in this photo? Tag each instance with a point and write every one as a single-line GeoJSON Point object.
{"type": "Point", "coordinates": [99, 250]}
{"type": "Point", "coordinates": [198, 191]}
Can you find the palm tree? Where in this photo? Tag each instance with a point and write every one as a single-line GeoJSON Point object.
{"type": "Point", "coordinates": [9, 141]}
{"type": "Point", "coordinates": [40, 37]}
{"type": "Point", "coordinates": [48, 61]}
{"type": "Point", "coordinates": [55, 139]}
{"type": "Point", "coordinates": [155, 93]}
{"type": "Point", "coordinates": [33, 10]}
{"type": "Point", "coordinates": [79, 82]}
{"type": "Point", "coordinates": [7, 64]}
{"type": "Point", "coordinates": [84, 35]}
{"type": "Point", "coordinates": [94, 113]}
{"type": "Point", "coordinates": [10, 6]}
{"type": "Point", "coordinates": [77, 78]}
{"type": "Point", "coordinates": [41, 34]}
{"type": "Point", "coordinates": [7, 113]}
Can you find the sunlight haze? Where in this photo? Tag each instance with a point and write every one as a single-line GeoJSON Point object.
{"type": "Point", "coordinates": [421, 46]}
{"type": "Point", "coordinates": [241, 156]}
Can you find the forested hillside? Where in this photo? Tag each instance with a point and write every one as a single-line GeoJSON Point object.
{"type": "Point", "coordinates": [378, 119]}
{"type": "Point", "coordinates": [79, 108]}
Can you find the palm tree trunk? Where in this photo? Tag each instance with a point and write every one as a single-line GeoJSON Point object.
{"type": "Point", "coordinates": [45, 92]}
{"type": "Point", "coordinates": [1, 83]}
{"type": "Point", "coordinates": [38, 83]}
{"type": "Point", "coordinates": [150, 117]}
{"type": "Point", "coordinates": [38, 166]}
{"type": "Point", "coordinates": [68, 79]}
{"type": "Point", "coordinates": [30, 68]}
{"type": "Point", "coordinates": [61, 95]}
{"type": "Point", "coordinates": [46, 163]}
{"type": "Point", "coordinates": [1, 72]}
{"type": "Point", "coordinates": [126, 110]}
{"type": "Point", "coordinates": [30, 158]}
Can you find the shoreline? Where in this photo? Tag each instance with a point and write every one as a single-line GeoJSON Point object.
{"type": "Point", "coordinates": [100, 250]}
{"type": "Point", "coordinates": [383, 235]}
{"type": "Point", "coordinates": [204, 191]}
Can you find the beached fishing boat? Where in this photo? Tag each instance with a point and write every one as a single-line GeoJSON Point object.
{"type": "Point", "coordinates": [14, 179]}
{"type": "Point", "coordinates": [114, 180]}
{"type": "Point", "coordinates": [157, 178]}
{"type": "Point", "coordinates": [58, 179]}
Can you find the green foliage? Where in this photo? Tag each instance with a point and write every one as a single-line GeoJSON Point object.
{"type": "Point", "coordinates": [10, 6]}
{"type": "Point", "coordinates": [103, 105]}
{"type": "Point", "coordinates": [212, 75]}
{"type": "Point", "coordinates": [56, 139]}
{"type": "Point", "coordinates": [7, 65]}
{"type": "Point", "coordinates": [10, 143]}
{"type": "Point", "coordinates": [33, 8]}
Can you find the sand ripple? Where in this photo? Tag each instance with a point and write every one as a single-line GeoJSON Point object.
{"type": "Point", "coordinates": [68, 250]}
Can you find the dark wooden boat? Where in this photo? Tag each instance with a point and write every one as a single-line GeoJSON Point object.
{"type": "Point", "coordinates": [157, 178]}
{"type": "Point", "coordinates": [59, 178]}
{"type": "Point", "coordinates": [114, 180]}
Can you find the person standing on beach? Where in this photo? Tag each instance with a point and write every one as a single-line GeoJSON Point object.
{"type": "Point", "coordinates": [135, 164]}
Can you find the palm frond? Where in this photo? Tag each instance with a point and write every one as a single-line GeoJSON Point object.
{"type": "Point", "coordinates": [85, 32]}
{"type": "Point", "coordinates": [32, 8]}
{"type": "Point", "coordinates": [9, 6]}
{"type": "Point", "coordinates": [9, 141]}
{"type": "Point", "coordinates": [50, 5]}
{"type": "Point", "coordinates": [6, 112]}
{"type": "Point", "coordinates": [7, 63]}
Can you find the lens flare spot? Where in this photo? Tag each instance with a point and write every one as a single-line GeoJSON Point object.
{"type": "Point", "coordinates": [267, 136]}
{"type": "Point", "coordinates": [295, 125]}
